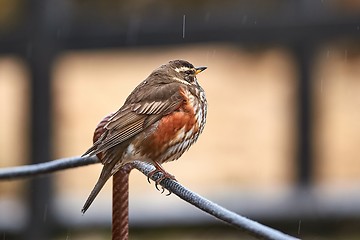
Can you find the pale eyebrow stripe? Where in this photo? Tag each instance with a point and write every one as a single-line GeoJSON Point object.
{"type": "Point", "coordinates": [182, 69]}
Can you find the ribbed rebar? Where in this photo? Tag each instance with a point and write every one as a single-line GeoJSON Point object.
{"type": "Point", "coordinates": [120, 212]}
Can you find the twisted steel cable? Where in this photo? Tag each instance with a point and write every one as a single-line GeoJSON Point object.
{"type": "Point", "coordinates": [120, 211]}
{"type": "Point", "coordinates": [253, 228]}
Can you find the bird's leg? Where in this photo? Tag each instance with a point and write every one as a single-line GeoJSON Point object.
{"type": "Point", "coordinates": [159, 168]}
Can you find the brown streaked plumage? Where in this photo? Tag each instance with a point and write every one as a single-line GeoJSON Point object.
{"type": "Point", "coordinates": [158, 122]}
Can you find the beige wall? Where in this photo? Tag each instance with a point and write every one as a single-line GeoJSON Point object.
{"type": "Point", "coordinates": [249, 139]}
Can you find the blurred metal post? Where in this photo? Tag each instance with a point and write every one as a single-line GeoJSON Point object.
{"type": "Point", "coordinates": [303, 54]}
{"type": "Point", "coordinates": [41, 47]}
{"type": "Point", "coordinates": [120, 217]}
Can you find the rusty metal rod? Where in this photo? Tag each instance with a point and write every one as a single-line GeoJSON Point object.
{"type": "Point", "coordinates": [120, 212]}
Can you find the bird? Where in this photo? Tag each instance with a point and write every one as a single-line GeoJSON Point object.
{"type": "Point", "coordinates": [160, 119]}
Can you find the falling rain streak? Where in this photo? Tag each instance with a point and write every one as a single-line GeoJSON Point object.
{"type": "Point", "coordinates": [183, 28]}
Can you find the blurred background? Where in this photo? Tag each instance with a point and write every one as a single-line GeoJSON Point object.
{"type": "Point", "coordinates": [281, 144]}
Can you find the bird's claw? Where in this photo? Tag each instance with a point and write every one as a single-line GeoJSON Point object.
{"type": "Point", "coordinates": [162, 188]}
{"type": "Point", "coordinates": [159, 180]}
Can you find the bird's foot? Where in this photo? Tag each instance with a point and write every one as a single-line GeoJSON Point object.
{"type": "Point", "coordinates": [157, 181]}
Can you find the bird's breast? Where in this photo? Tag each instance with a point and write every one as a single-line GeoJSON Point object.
{"type": "Point", "coordinates": [174, 133]}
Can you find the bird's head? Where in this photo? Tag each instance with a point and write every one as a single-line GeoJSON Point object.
{"type": "Point", "coordinates": [181, 71]}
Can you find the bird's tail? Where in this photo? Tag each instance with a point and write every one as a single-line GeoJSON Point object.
{"type": "Point", "coordinates": [104, 176]}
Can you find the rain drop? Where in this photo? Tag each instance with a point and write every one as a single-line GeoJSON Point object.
{"type": "Point", "coordinates": [183, 28]}
{"type": "Point", "coordinates": [133, 29]}
{"type": "Point", "coordinates": [213, 53]}
{"type": "Point", "coordinates": [207, 17]}
{"type": "Point", "coordinates": [244, 19]}
{"type": "Point", "coordinates": [68, 236]}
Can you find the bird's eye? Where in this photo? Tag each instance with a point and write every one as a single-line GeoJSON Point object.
{"type": "Point", "coordinates": [189, 72]}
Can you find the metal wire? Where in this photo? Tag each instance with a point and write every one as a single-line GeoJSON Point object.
{"type": "Point", "coordinates": [13, 173]}
{"type": "Point", "coordinates": [120, 216]}
{"type": "Point", "coordinates": [253, 228]}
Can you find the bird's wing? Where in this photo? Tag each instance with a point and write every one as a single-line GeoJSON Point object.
{"type": "Point", "coordinates": [141, 109]}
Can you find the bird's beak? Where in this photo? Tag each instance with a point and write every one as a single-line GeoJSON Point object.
{"type": "Point", "coordinates": [199, 69]}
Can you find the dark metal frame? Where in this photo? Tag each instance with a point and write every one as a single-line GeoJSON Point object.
{"type": "Point", "coordinates": [297, 26]}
